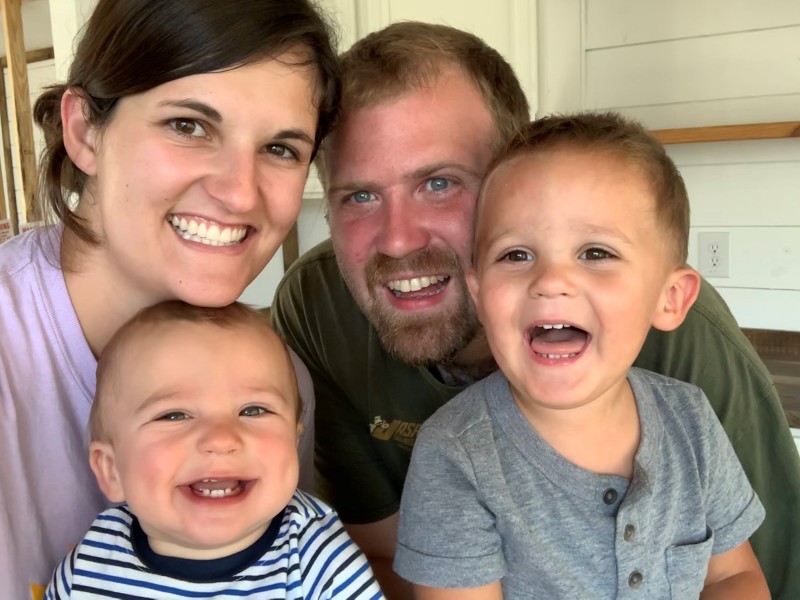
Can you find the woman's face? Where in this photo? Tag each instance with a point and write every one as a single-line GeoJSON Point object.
{"type": "Point", "coordinates": [194, 184]}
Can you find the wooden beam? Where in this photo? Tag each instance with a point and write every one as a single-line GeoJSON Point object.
{"type": "Point", "coordinates": [18, 70]}
{"type": "Point", "coordinates": [13, 211]}
{"type": "Point", "coordinates": [31, 56]}
{"type": "Point", "coordinates": [725, 133]}
{"type": "Point", "coordinates": [291, 248]}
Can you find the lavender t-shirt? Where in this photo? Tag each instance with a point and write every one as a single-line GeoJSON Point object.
{"type": "Point", "coordinates": [48, 494]}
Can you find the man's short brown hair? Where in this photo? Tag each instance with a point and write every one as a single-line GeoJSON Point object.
{"type": "Point", "coordinates": [410, 55]}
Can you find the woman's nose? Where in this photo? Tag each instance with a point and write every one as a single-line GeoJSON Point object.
{"type": "Point", "coordinates": [233, 181]}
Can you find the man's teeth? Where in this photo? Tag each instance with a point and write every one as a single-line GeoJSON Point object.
{"type": "Point", "coordinates": [415, 284]}
{"type": "Point", "coordinates": [189, 229]}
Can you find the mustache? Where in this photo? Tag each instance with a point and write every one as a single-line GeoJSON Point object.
{"type": "Point", "coordinates": [429, 261]}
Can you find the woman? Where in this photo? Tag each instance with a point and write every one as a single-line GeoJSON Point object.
{"type": "Point", "coordinates": [177, 152]}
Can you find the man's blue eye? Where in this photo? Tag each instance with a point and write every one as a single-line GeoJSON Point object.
{"type": "Point", "coordinates": [438, 184]}
{"type": "Point", "coordinates": [362, 196]}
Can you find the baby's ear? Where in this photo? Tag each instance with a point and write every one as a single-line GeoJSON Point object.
{"type": "Point", "coordinates": [473, 284]}
{"type": "Point", "coordinates": [103, 462]}
{"type": "Point", "coordinates": [677, 298]}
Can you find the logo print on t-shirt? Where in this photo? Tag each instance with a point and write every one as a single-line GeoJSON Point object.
{"type": "Point", "coordinates": [401, 432]}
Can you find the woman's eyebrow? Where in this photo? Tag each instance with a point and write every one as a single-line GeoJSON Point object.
{"type": "Point", "coordinates": [204, 109]}
{"type": "Point", "coordinates": [295, 134]}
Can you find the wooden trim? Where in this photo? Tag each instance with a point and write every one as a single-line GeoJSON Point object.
{"type": "Point", "coordinates": [291, 248]}
{"type": "Point", "coordinates": [18, 71]}
{"type": "Point", "coordinates": [725, 133]}
{"type": "Point", "coordinates": [31, 56]}
{"type": "Point", "coordinates": [5, 136]}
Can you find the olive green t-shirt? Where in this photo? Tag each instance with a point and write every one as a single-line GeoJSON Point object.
{"type": "Point", "coordinates": [369, 406]}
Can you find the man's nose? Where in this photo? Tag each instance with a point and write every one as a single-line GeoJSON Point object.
{"type": "Point", "coordinates": [404, 228]}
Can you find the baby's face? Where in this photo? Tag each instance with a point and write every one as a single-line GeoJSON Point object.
{"type": "Point", "coordinates": [570, 265]}
{"type": "Point", "coordinates": [203, 423]}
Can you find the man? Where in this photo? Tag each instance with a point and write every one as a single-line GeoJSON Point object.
{"type": "Point", "coordinates": [381, 315]}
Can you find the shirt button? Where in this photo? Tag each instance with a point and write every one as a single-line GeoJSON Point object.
{"type": "Point", "coordinates": [610, 496]}
{"type": "Point", "coordinates": [628, 532]}
{"type": "Point", "coordinates": [635, 579]}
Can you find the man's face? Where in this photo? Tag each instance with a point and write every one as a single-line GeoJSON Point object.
{"type": "Point", "coordinates": [403, 182]}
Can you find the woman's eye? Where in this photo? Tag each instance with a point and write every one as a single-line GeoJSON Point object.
{"type": "Point", "coordinates": [281, 151]}
{"type": "Point", "coordinates": [172, 416]}
{"type": "Point", "coordinates": [437, 184]}
{"type": "Point", "coordinates": [596, 254]}
{"type": "Point", "coordinates": [188, 127]}
{"type": "Point", "coordinates": [362, 196]}
{"type": "Point", "coordinates": [252, 411]}
{"type": "Point", "coordinates": [517, 256]}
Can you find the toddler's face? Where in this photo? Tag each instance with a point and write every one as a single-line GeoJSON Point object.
{"type": "Point", "coordinates": [204, 436]}
{"type": "Point", "coordinates": [570, 266]}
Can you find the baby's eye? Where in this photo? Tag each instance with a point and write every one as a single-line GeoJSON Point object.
{"type": "Point", "coordinates": [252, 411]}
{"type": "Point", "coordinates": [188, 127]}
{"type": "Point", "coordinates": [437, 184]}
{"type": "Point", "coordinates": [362, 196]}
{"type": "Point", "coordinates": [596, 254]}
{"type": "Point", "coordinates": [516, 256]}
{"type": "Point", "coordinates": [175, 415]}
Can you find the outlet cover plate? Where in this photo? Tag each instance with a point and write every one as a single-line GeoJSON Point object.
{"type": "Point", "coordinates": [714, 254]}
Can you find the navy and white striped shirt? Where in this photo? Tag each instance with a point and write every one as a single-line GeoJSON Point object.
{"type": "Point", "coordinates": [305, 554]}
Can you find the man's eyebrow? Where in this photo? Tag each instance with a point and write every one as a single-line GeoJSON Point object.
{"type": "Point", "coordinates": [204, 109]}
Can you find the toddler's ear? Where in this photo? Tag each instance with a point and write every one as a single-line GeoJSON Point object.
{"type": "Point", "coordinates": [679, 294]}
{"type": "Point", "coordinates": [473, 285]}
{"type": "Point", "coordinates": [80, 136]}
{"type": "Point", "coordinates": [103, 463]}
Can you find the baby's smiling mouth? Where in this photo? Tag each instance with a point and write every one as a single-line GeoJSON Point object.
{"type": "Point", "coordinates": [219, 488]}
{"type": "Point", "coordinates": [557, 340]}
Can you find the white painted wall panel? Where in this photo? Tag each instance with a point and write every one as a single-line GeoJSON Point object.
{"type": "Point", "coordinates": [626, 22]}
{"type": "Point", "coordinates": [763, 309]}
{"type": "Point", "coordinates": [737, 65]}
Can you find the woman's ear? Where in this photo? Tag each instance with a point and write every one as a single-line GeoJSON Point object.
{"type": "Point", "coordinates": [679, 294]}
{"type": "Point", "coordinates": [103, 462]}
{"type": "Point", "coordinates": [80, 138]}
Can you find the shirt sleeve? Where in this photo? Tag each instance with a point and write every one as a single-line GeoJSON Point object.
{"type": "Point", "coordinates": [710, 351]}
{"type": "Point", "coordinates": [60, 586]}
{"type": "Point", "coordinates": [733, 511]}
{"type": "Point", "coordinates": [447, 537]}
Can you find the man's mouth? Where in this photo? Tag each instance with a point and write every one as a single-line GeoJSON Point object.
{"type": "Point", "coordinates": [418, 287]}
{"type": "Point", "coordinates": [195, 229]}
{"type": "Point", "coordinates": [557, 340]}
{"type": "Point", "coordinates": [219, 488]}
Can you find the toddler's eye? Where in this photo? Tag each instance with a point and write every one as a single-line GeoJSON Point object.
{"type": "Point", "coordinates": [252, 411]}
{"type": "Point", "coordinates": [516, 256]}
{"type": "Point", "coordinates": [596, 254]}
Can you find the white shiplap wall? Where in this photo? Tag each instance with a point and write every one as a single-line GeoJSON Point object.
{"type": "Point", "coordinates": [689, 63]}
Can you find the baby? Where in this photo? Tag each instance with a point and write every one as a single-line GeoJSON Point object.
{"type": "Point", "coordinates": [195, 426]}
{"type": "Point", "coordinates": [570, 474]}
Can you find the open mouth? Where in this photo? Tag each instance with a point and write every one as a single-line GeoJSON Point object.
{"type": "Point", "coordinates": [219, 488]}
{"type": "Point", "coordinates": [198, 230]}
{"type": "Point", "coordinates": [418, 287]}
{"type": "Point", "coordinates": [557, 340]}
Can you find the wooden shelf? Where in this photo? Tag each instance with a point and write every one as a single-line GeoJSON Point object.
{"type": "Point", "coordinates": [727, 133]}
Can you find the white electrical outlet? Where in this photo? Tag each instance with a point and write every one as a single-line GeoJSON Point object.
{"type": "Point", "coordinates": [714, 254]}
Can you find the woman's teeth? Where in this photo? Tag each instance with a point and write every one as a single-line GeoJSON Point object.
{"type": "Point", "coordinates": [211, 235]}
